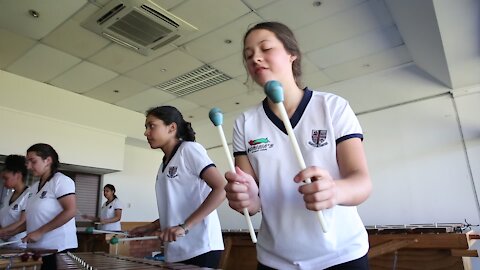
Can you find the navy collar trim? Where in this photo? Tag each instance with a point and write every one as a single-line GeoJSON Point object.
{"type": "Point", "coordinates": [165, 161]}
{"type": "Point", "coordinates": [297, 115]}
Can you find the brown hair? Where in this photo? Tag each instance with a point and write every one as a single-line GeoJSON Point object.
{"type": "Point", "coordinates": [287, 38]}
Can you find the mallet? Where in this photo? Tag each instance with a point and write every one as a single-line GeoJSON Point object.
{"type": "Point", "coordinates": [92, 230]}
{"type": "Point", "coordinates": [216, 116]}
{"type": "Point", "coordinates": [10, 242]}
{"type": "Point", "coordinates": [274, 91]}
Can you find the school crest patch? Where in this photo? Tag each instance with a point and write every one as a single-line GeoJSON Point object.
{"type": "Point", "coordinates": [172, 172]}
{"type": "Point", "coordinates": [43, 195]}
{"type": "Point", "coordinates": [318, 138]}
{"type": "Point", "coordinates": [15, 207]}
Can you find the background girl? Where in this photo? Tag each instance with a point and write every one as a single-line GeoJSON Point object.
{"type": "Point", "coordinates": [111, 211]}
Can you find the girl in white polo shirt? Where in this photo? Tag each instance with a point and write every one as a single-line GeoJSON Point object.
{"type": "Point", "coordinates": [12, 211]}
{"type": "Point", "coordinates": [268, 174]}
{"type": "Point", "coordinates": [111, 211]}
{"type": "Point", "coordinates": [51, 209]}
{"type": "Point", "coordinates": [189, 188]}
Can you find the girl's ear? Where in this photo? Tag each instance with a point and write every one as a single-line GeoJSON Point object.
{"type": "Point", "coordinates": [172, 127]}
{"type": "Point", "coordinates": [293, 58]}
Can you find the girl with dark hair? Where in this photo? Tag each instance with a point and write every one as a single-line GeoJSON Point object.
{"type": "Point", "coordinates": [52, 207]}
{"type": "Point", "coordinates": [12, 211]}
{"type": "Point", "coordinates": [111, 211]}
{"type": "Point", "coordinates": [267, 173]}
{"type": "Point", "coordinates": [189, 188]}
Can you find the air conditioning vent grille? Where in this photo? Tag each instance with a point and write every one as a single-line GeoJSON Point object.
{"type": "Point", "coordinates": [196, 80]}
{"type": "Point", "coordinates": [139, 28]}
{"type": "Point", "coordinates": [160, 15]}
{"type": "Point", "coordinates": [110, 13]}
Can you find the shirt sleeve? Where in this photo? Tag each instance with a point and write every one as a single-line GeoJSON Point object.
{"type": "Point", "coordinates": [196, 158]}
{"type": "Point", "coordinates": [64, 186]}
{"type": "Point", "coordinates": [239, 136]}
{"type": "Point", "coordinates": [117, 204]}
{"type": "Point", "coordinates": [344, 120]}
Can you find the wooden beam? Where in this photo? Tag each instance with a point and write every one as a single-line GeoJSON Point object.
{"type": "Point", "coordinates": [440, 241]}
{"type": "Point", "coordinates": [389, 247]}
{"type": "Point", "coordinates": [464, 252]}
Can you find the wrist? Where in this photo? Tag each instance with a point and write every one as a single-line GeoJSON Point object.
{"type": "Point", "coordinates": [184, 227]}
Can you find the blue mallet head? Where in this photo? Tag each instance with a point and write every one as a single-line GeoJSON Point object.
{"type": "Point", "coordinates": [89, 230]}
{"type": "Point", "coordinates": [274, 91]}
{"type": "Point", "coordinates": [216, 116]}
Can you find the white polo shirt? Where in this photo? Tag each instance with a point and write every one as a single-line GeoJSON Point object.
{"type": "Point", "coordinates": [108, 211]}
{"type": "Point", "coordinates": [180, 191]}
{"type": "Point", "coordinates": [11, 212]}
{"type": "Point", "coordinates": [290, 236]}
{"type": "Point", "coordinates": [43, 206]}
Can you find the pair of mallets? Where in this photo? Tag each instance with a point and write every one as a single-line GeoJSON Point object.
{"type": "Point", "coordinates": [274, 91]}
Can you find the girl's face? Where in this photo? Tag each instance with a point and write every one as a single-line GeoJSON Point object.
{"type": "Point", "coordinates": [266, 57]}
{"type": "Point", "coordinates": [11, 179]}
{"type": "Point", "coordinates": [158, 134]}
{"type": "Point", "coordinates": [37, 165]}
{"type": "Point", "coordinates": [108, 193]}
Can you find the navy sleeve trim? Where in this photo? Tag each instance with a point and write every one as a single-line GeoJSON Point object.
{"type": "Point", "coordinates": [73, 193]}
{"type": "Point", "coordinates": [206, 167]}
{"type": "Point", "coordinates": [240, 153]}
{"type": "Point", "coordinates": [349, 136]}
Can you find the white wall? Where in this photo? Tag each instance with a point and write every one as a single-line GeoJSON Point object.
{"type": "Point", "coordinates": [135, 185]}
{"type": "Point", "coordinates": [75, 144]}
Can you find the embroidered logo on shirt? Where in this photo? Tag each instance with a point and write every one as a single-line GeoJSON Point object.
{"type": "Point", "coordinates": [172, 172]}
{"type": "Point", "coordinates": [260, 144]}
{"type": "Point", "coordinates": [110, 207]}
{"type": "Point", "coordinates": [318, 138]}
{"type": "Point", "coordinates": [43, 195]}
{"type": "Point", "coordinates": [15, 207]}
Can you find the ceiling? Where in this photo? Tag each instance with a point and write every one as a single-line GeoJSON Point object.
{"type": "Point", "coordinates": [340, 39]}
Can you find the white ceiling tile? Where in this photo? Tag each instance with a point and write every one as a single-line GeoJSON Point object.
{"type": "Point", "coordinates": [43, 63]}
{"type": "Point", "coordinates": [83, 77]}
{"type": "Point", "coordinates": [249, 83]}
{"type": "Point", "coordinates": [116, 89]}
{"type": "Point", "coordinates": [241, 102]}
{"type": "Point", "coordinates": [282, 11]}
{"type": "Point", "coordinates": [86, 11]}
{"type": "Point", "coordinates": [72, 38]}
{"type": "Point", "coordinates": [149, 98]}
{"type": "Point", "coordinates": [15, 17]}
{"type": "Point", "coordinates": [231, 65]}
{"type": "Point", "coordinates": [307, 66]}
{"type": "Point", "coordinates": [121, 59]}
{"type": "Point", "coordinates": [200, 15]}
{"type": "Point", "coordinates": [356, 47]}
{"type": "Point", "coordinates": [212, 46]}
{"type": "Point", "coordinates": [344, 25]}
{"type": "Point", "coordinates": [255, 4]}
{"type": "Point", "coordinates": [182, 104]}
{"type": "Point", "coordinates": [12, 47]}
{"type": "Point", "coordinates": [174, 64]}
{"type": "Point", "coordinates": [217, 92]}
{"type": "Point", "coordinates": [197, 114]}
{"type": "Point", "coordinates": [382, 60]}
{"type": "Point", "coordinates": [315, 80]}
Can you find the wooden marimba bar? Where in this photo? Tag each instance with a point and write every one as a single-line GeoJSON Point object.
{"type": "Point", "coordinates": [101, 260]}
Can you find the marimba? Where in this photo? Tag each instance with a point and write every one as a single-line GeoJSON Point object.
{"type": "Point", "coordinates": [420, 246]}
{"type": "Point", "coordinates": [100, 260]}
{"type": "Point", "coordinates": [11, 258]}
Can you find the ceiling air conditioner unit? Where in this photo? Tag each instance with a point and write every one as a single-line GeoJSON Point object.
{"type": "Point", "coordinates": [140, 25]}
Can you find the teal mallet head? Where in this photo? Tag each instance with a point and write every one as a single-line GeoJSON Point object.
{"type": "Point", "coordinates": [114, 240]}
{"type": "Point", "coordinates": [274, 91]}
{"type": "Point", "coordinates": [216, 116]}
{"type": "Point", "coordinates": [89, 230]}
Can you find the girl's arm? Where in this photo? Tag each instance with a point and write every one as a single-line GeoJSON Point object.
{"type": "Point", "coordinates": [216, 182]}
{"type": "Point", "coordinates": [117, 217]}
{"type": "Point", "coordinates": [69, 206]}
{"type": "Point", "coordinates": [15, 227]}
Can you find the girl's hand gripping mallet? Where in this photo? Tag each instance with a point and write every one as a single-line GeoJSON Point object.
{"type": "Point", "coordinates": [274, 91]}
{"type": "Point", "coordinates": [216, 117]}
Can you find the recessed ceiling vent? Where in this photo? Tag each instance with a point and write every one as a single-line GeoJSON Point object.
{"type": "Point", "coordinates": [140, 25]}
{"type": "Point", "coordinates": [196, 80]}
